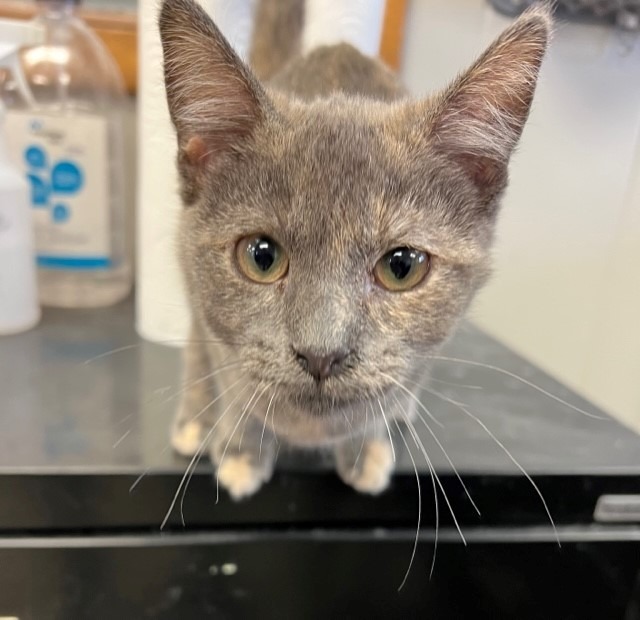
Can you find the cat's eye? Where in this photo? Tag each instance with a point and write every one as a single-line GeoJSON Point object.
{"type": "Point", "coordinates": [402, 269]}
{"type": "Point", "coordinates": [261, 259]}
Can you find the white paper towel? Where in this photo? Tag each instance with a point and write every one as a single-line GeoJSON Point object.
{"type": "Point", "coordinates": [358, 22]}
{"type": "Point", "coordinates": [162, 313]}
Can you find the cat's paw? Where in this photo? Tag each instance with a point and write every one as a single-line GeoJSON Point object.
{"type": "Point", "coordinates": [239, 475]}
{"type": "Point", "coordinates": [187, 438]}
{"type": "Point", "coordinates": [372, 472]}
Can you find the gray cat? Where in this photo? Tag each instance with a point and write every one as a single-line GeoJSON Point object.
{"type": "Point", "coordinates": [334, 232]}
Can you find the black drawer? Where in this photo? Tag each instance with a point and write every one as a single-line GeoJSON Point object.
{"type": "Point", "coordinates": [511, 574]}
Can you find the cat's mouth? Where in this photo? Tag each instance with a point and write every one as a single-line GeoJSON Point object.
{"type": "Point", "coordinates": [323, 399]}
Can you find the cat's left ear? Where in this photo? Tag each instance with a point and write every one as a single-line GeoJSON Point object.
{"type": "Point", "coordinates": [214, 100]}
{"type": "Point", "coordinates": [478, 120]}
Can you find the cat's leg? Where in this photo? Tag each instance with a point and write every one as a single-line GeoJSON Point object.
{"type": "Point", "coordinates": [192, 419]}
{"type": "Point", "coordinates": [243, 448]}
{"type": "Point", "coordinates": [365, 463]}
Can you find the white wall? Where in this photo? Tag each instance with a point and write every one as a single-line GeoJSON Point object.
{"type": "Point", "coordinates": [566, 290]}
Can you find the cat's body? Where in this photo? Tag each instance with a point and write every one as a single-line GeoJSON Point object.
{"type": "Point", "coordinates": [311, 205]}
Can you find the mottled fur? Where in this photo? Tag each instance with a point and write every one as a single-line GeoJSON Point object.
{"type": "Point", "coordinates": [337, 164]}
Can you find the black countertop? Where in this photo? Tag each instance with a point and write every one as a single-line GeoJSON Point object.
{"type": "Point", "coordinates": [86, 409]}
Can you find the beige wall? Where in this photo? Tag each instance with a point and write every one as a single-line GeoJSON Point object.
{"type": "Point", "coordinates": [566, 291]}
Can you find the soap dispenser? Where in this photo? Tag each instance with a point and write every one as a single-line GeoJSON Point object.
{"type": "Point", "coordinates": [69, 144]}
{"type": "Point", "coordinates": [19, 308]}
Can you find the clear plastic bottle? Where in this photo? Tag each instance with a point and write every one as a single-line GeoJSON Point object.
{"type": "Point", "coordinates": [69, 141]}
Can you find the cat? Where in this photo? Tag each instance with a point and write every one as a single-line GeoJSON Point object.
{"type": "Point", "coordinates": [334, 232]}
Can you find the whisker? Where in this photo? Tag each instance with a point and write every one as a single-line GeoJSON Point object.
{"type": "Point", "coordinates": [253, 407]}
{"type": "Point", "coordinates": [184, 388]}
{"type": "Point", "coordinates": [349, 424]}
{"type": "Point", "coordinates": [194, 382]}
{"type": "Point", "coordinates": [127, 417]}
{"type": "Point", "coordinates": [112, 352]}
{"type": "Point", "coordinates": [434, 478]}
{"type": "Point", "coordinates": [364, 438]}
{"type": "Point", "coordinates": [508, 454]}
{"type": "Point", "coordinates": [201, 452]}
{"type": "Point", "coordinates": [138, 480]}
{"type": "Point", "coordinates": [273, 423]}
{"type": "Point", "coordinates": [184, 478]}
{"type": "Point", "coordinates": [191, 384]}
{"type": "Point", "coordinates": [384, 419]}
{"type": "Point", "coordinates": [117, 443]}
{"type": "Point", "coordinates": [446, 456]}
{"type": "Point", "coordinates": [465, 386]}
{"type": "Point", "coordinates": [129, 347]}
{"type": "Point", "coordinates": [421, 447]}
{"type": "Point", "coordinates": [415, 542]}
{"type": "Point", "coordinates": [413, 397]}
{"type": "Point", "coordinates": [193, 460]}
{"type": "Point", "coordinates": [217, 398]}
{"type": "Point", "coordinates": [522, 380]}
{"type": "Point", "coordinates": [198, 456]}
{"type": "Point", "coordinates": [264, 424]}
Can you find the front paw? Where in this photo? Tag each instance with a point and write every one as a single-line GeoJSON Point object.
{"type": "Point", "coordinates": [371, 472]}
{"type": "Point", "coordinates": [241, 476]}
{"type": "Point", "coordinates": [186, 439]}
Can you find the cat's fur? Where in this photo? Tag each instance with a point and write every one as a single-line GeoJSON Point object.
{"type": "Point", "coordinates": [333, 160]}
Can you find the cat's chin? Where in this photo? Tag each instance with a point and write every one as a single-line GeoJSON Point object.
{"type": "Point", "coordinates": [325, 407]}
{"type": "Point", "coordinates": [319, 423]}
{"type": "Point", "coordinates": [324, 400]}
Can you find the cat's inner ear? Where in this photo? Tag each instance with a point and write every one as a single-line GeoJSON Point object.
{"type": "Point", "coordinates": [478, 120]}
{"type": "Point", "coordinates": [214, 101]}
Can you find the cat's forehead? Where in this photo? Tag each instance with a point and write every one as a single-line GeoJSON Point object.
{"type": "Point", "coordinates": [329, 154]}
{"type": "Point", "coordinates": [338, 127]}
{"type": "Point", "coordinates": [329, 146]}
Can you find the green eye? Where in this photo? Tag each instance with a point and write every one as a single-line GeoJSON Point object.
{"type": "Point", "coordinates": [402, 269]}
{"type": "Point", "coordinates": [261, 259]}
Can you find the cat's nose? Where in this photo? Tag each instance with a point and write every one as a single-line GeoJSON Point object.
{"type": "Point", "coordinates": [321, 366]}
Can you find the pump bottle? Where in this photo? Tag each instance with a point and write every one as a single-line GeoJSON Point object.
{"type": "Point", "coordinates": [19, 308]}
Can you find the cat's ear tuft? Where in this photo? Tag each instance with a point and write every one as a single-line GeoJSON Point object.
{"type": "Point", "coordinates": [214, 101]}
{"type": "Point", "coordinates": [478, 120]}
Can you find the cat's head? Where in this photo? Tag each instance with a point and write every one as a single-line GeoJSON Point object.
{"type": "Point", "coordinates": [335, 243]}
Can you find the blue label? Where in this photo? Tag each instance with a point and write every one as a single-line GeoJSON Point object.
{"type": "Point", "coordinates": [66, 178]}
{"type": "Point", "coordinates": [35, 157]}
{"type": "Point", "coordinates": [84, 263]}
{"type": "Point", "coordinates": [39, 191]}
{"type": "Point", "coordinates": [65, 161]}
{"type": "Point", "coordinates": [60, 214]}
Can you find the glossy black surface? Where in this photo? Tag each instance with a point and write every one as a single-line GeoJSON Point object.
{"type": "Point", "coordinates": [316, 575]}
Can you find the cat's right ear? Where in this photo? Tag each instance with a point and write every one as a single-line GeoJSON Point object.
{"type": "Point", "coordinates": [477, 121]}
{"type": "Point", "coordinates": [214, 101]}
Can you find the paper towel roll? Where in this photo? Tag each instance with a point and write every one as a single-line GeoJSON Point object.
{"type": "Point", "coordinates": [162, 313]}
{"type": "Point", "coordinates": [358, 22]}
